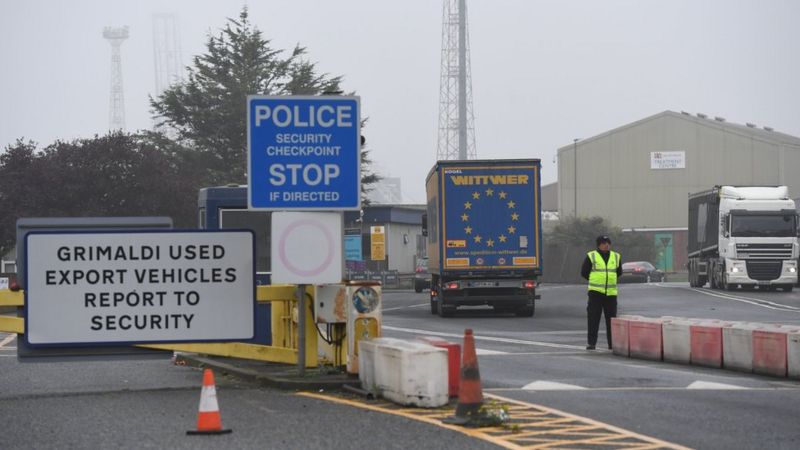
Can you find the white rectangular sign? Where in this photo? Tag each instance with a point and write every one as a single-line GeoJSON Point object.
{"type": "Point", "coordinates": [139, 287]}
{"type": "Point", "coordinates": [667, 160]}
{"type": "Point", "coordinates": [307, 247]}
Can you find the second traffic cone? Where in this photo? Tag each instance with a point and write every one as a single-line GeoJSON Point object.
{"type": "Point", "coordinates": [208, 418]}
{"type": "Point", "coordinates": [470, 396]}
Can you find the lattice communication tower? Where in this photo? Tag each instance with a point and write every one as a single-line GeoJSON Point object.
{"type": "Point", "coordinates": [116, 106]}
{"type": "Point", "coordinates": [456, 118]}
{"type": "Point", "coordinates": [167, 51]}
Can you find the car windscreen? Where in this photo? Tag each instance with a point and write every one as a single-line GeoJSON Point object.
{"type": "Point", "coordinates": [767, 225]}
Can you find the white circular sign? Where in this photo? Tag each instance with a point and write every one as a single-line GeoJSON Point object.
{"type": "Point", "coordinates": [306, 247]}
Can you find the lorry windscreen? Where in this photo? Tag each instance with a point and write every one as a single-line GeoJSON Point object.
{"type": "Point", "coordinates": [772, 225]}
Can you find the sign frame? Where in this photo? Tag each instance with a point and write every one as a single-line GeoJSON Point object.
{"type": "Point", "coordinates": [350, 191]}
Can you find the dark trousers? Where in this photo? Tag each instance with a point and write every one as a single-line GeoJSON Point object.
{"type": "Point", "coordinates": [600, 304]}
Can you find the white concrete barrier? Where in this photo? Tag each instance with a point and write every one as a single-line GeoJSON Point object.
{"type": "Point", "coordinates": [677, 340]}
{"type": "Point", "coordinates": [793, 353]}
{"type": "Point", "coordinates": [367, 350]}
{"type": "Point", "coordinates": [411, 373]}
{"type": "Point", "coordinates": [737, 346]}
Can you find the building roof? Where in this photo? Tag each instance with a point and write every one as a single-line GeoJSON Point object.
{"type": "Point", "coordinates": [764, 133]}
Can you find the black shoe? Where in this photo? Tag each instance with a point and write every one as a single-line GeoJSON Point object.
{"type": "Point", "coordinates": [590, 347]}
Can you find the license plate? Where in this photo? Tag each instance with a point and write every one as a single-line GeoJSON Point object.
{"type": "Point", "coordinates": [483, 284]}
{"type": "Point", "coordinates": [763, 283]}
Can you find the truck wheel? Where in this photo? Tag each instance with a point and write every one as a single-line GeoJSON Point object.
{"type": "Point", "coordinates": [417, 288]}
{"type": "Point", "coordinates": [446, 310]}
{"type": "Point", "coordinates": [525, 311]}
{"type": "Point", "coordinates": [434, 309]}
{"type": "Point", "coordinates": [725, 285]}
{"type": "Point", "coordinates": [788, 288]}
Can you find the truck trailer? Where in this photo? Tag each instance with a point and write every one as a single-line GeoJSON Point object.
{"type": "Point", "coordinates": [484, 235]}
{"type": "Point", "coordinates": [743, 236]}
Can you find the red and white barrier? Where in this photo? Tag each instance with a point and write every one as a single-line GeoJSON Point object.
{"type": "Point", "coordinates": [619, 335]}
{"type": "Point", "coordinates": [737, 346]}
{"type": "Point", "coordinates": [645, 339]}
{"type": "Point", "coordinates": [677, 340]}
{"type": "Point", "coordinates": [769, 351]}
{"type": "Point", "coordinates": [705, 341]}
{"type": "Point", "coordinates": [453, 362]}
{"type": "Point", "coordinates": [793, 354]}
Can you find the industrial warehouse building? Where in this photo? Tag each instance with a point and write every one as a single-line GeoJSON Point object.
{"type": "Point", "coordinates": [638, 176]}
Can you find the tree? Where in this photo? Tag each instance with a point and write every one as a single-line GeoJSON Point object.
{"type": "Point", "coordinates": [208, 110]}
{"type": "Point", "coordinates": [581, 232]}
{"type": "Point", "coordinates": [117, 174]}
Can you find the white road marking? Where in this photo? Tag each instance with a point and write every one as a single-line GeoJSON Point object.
{"type": "Point", "coordinates": [713, 386]}
{"type": "Point", "coordinates": [404, 307]}
{"type": "Point", "coordinates": [484, 338]}
{"type": "Point", "coordinates": [483, 352]}
{"type": "Point", "coordinates": [551, 386]}
{"type": "Point", "coordinates": [749, 300]}
{"type": "Point", "coordinates": [653, 388]}
{"type": "Point", "coordinates": [7, 339]}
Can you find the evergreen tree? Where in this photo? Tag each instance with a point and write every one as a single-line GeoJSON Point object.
{"type": "Point", "coordinates": [209, 110]}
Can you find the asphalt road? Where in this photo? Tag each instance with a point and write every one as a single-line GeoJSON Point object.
{"type": "Point", "coordinates": [542, 360]}
{"type": "Point", "coordinates": [152, 403]}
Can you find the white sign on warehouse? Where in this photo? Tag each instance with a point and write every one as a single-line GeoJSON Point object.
{"type": "Point", "coordinates": [667, 160]}
{"type": "Point", "coordinates": [140, 287]}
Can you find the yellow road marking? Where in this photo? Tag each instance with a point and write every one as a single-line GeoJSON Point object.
{"type": "Point", "coordinates": [531, 427]}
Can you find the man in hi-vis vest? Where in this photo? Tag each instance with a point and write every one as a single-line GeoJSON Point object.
{"type": "Point", "coordinates": [602, 268]}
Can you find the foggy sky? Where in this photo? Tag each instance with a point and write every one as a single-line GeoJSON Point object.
{"type": "Point", "coordinates": [543, 72]}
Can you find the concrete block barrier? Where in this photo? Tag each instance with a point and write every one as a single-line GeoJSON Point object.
{"type": "Point", "coordinates": [619, 335]}
{"type": "Point", "coordinates": [453, 362]}
{"type": "Point", "coordinates": [645, 338]}
{"type": "Point", "coordinates": [677, 340]}
{"type": "Point", "coordinates": [705, 340]}
{"type": "Point", "coordinates": [769, 351]}
{"type": "Point", "coordinates": [412, 373]}
{"type": "Point", "coordinates": [737, 346]}
{"type": "Point", "coordinates": [367, 350]}
{"type": "Point", "coordinates": [793, 354]}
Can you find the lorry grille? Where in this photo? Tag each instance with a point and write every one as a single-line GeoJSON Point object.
{"type": "Point", "coordinates": [764, 270]}
{"type": "Point", "coordinates": [764, 251]}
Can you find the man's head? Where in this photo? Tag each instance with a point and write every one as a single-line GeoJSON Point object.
{"type": "Point", "coordinates": [603, 243]}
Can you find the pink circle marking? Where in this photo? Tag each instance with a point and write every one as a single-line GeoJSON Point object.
{"type": "Point", "coordinates": [282, 248]}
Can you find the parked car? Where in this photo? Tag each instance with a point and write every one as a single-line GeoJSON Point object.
{"type": "Point", "coordinates": [422, 279]}
{"type": "Point", "coordinates": [641, 272]}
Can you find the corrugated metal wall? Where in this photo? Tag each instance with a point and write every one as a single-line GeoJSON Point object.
{"type": "Point", "coordinates": [615, 180]}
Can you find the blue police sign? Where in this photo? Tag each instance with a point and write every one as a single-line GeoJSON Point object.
{"type": "Point", "coordinates": [304, 153]}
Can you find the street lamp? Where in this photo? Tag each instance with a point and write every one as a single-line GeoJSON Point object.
{"type": "Point", "coordinates": [575, 174]}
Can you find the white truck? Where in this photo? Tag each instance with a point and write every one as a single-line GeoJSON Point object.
{"type": "Point", "coordinates": [743, 236]}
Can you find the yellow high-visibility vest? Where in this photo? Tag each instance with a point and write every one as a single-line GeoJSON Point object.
{"type": "Point", "coordinates": [603, 277]}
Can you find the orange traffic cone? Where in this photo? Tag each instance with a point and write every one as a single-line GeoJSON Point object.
{"type": "Point", "coordinates": [470, 396]}
{"type": "Point", "coordinates": [208, 418]}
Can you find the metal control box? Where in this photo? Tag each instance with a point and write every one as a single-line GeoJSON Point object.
{"type": "Point", "coordinates": [330, 303]}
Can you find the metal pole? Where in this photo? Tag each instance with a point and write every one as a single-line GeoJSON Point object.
{"type": "Point", "coordinates": [462, 79]}
{"type": "Point", "coordinates": [575, 174]}
{"type": "Point", "coordinates": [301, 329]}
